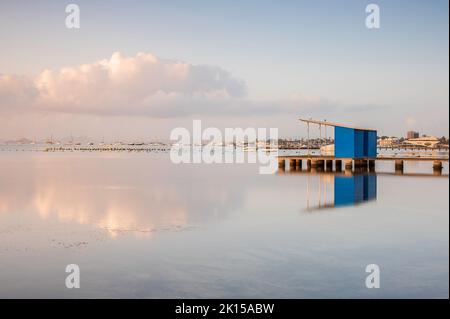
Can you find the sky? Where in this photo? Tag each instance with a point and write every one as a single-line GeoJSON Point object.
{"type": "Point", "coordinates": [138, 69]}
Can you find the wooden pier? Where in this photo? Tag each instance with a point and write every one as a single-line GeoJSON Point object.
{"type": "Point", "coordinates": [331, 163]}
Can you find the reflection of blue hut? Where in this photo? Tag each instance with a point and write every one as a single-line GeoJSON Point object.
{"type": "Point", "coordinates": [349, 190]}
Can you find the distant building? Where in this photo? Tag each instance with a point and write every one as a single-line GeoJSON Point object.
{"type": "Point", "coordinates": [412, 134]}
{"type": "Point", "coordinates": [386, 142]}
{"type": "Point", "coordinates": [427, 141]}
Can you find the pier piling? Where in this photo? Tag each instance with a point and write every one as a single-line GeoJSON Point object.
{"type": "Point", "coordinates": [320, 165]}
{"type": "Point", "coordinates": [399, 166]}
{"type": "Point", "coordinates": [437, 167]}
{"type": "Point", "coordinates": [292, 164]}
{"type": "Point", "coordinates": [348, 165]}
{"type": "Point", "coordinates": [372, 165]}
{"type": "Point", "coordinates": [338, 165]}
{"type": "Point", "coordinates": [360, 164]}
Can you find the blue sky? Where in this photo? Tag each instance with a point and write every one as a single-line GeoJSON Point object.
{"type": "Point", "coordinates": [394, 78]}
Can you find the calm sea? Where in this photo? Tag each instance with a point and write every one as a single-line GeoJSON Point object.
{"type": "Point", "coordinates": [139, 226]}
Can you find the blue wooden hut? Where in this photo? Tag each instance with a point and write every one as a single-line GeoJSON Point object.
{"type": "Point", "coordinates": [351, 142]}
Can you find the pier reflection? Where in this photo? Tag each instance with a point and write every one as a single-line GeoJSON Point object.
{"type": "Point", "coordinates": [337, 190]}
{"type": "Point", "coordinates": [327, 190]}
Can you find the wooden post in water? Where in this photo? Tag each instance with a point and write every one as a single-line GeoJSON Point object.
{"type": "Point", "coordinates": [360, 164]}
{"type": "Point", "coordinates": [338, 165]}
{"type": "Point", "coordinates": [281, 163]}
{"type": "Point", "coordinates": [399, 166]}
{"type": "Point", "coordinates": [437, 167]}
{"type": "Point", "coordinates": [320, 165]}
{"type": "Point", "coordinates": [348, 165]}
{"type": "Point", "coordinates": [292, 164]}
{"type": "Point", "coordinates": [372, 165]}
{"type": "Point", "coordinates": [329, 165]}
{"type": "Point", "coordinates": [299, 164]}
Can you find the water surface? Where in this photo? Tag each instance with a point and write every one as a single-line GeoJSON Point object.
{"type": "Point", "coordinates": [141, 227]}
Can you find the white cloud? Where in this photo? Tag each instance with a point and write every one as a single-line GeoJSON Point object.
{"type": "Point", "coordinates": [139, 85]}
{"type": "Point", "coordinates": [143, 85]}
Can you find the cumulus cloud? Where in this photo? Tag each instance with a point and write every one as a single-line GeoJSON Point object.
{"type": "Point", "coordinates": [144, 85]}
{"type": "Point", "coordinates": [121, 85]}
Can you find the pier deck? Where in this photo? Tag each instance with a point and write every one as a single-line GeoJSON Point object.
{"type": "Point", "coordinates": [378, 158]}
{"type": "Point", "coordinates": [330, 162]}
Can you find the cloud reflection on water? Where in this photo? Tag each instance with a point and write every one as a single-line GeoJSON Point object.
{"type": "Point", "coordinates": [141, 197]}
